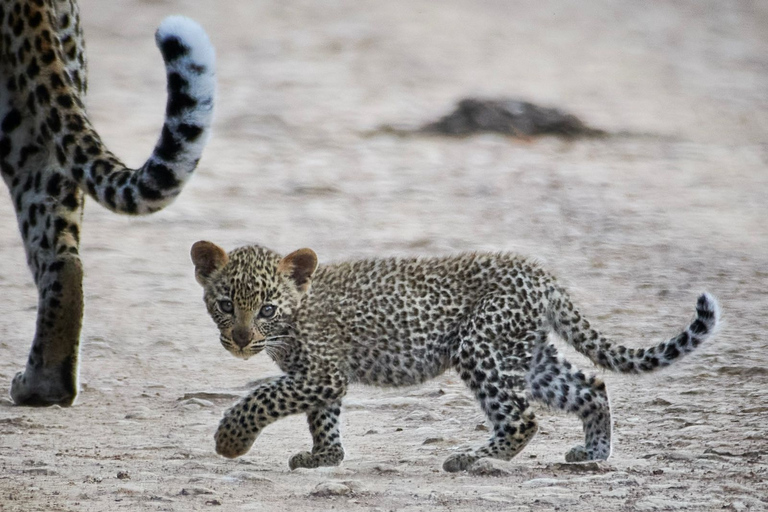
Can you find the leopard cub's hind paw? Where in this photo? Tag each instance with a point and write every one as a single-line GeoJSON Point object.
{"type": "Point", "coordinates": [329, 457]}
{"type": "Point", "coordinates": [581, 454]}
{"type": "Point", "coordinates": [459, 462]}
{"type": "Point", "coordinates": [302, 460]}
{"type": "Point", "coordinates": [577, 454]}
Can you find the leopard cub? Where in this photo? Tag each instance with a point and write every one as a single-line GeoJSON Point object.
{"type": "Point", "coordinates": [401, 321]}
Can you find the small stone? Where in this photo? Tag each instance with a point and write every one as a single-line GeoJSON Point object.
{"type": "Point", "coordinates": [433, 440]}
{"type": "Point", "coordinates": [326, 489]}
{"type": "Point", "coordinates": [140, 413]}
{"type": "Point", "coordinates": [196, 401]}
{"type": "Point", "coordinates": [543, 482]}
{"type": "Point", "coordinates": [580, 467]}
{"type": "Point", "coordinates": [123, 475]}
{"type": "Point", "coordinates": [456, 400]}
{"type": "Point", "coordinates": [332, 471]}
{"type": "Point", "coordinates": [616, 493]}
{"type": "Point", "coordinates": [130, 489]}
{"type": "Point", "coordinates": [495, 498]}
{"type": "Point", "coordinates": [247, 476]}
{"type": "Point", "coordinates": [423, 416]}
{"type": "Point", "coordinates": [355, 485]}
{"type": "Point", "coordinates": [195, 491]}
{"type": "Point", "coordinates": [654, 503]}
{"type": "Point", "coordinates": [213, 502]}
{"type": "Point", "coordinates": [481, 427]}
{"type": "Point", "coordinates": [39, 471]}
{"type": "Point", "coordinates": [488, 467]}
{"type": "Point", "coordinates": [210, 395]}
{"type": "Point", "coordinates": [163, 499]}
{"type": "Point", "coordinates": [385, 469]}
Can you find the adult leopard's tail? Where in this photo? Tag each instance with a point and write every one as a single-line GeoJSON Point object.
{"type": "Point", "coordinates": [568, 323]}
{"type": "Point", "coordinates": [80, 154]}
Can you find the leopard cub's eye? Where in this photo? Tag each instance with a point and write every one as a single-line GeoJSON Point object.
{"type": "Point", "coordinates": [267, 311]}
{"type": "Point", "coordinates": [226, 306]}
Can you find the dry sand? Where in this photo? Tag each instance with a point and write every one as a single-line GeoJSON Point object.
{"type": "Point", "coordinates": [636, 225]}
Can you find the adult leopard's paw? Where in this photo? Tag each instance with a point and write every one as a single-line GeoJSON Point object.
{"type": "Point", "coordinates": [232, 442]}
{"type": "Point", "coordinates": [44, 387]}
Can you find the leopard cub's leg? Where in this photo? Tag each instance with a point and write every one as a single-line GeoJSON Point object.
{"type": "Point", "coordinates": [514, 425]}
{"type": "Point", "coordinates": [495, 375]}
{"type": "Point", "coordinates": [269, 401]}
{"type": "Point", "coordinates": [555, 382]}
{"type": "Point", "coordinates": [326, 439]}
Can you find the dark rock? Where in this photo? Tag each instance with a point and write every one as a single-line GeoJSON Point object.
{"type": "Point", "coordinates": [511, 117]}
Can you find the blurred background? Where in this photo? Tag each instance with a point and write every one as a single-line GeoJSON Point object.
{"type": "Point", "coordinates": [636, 223]}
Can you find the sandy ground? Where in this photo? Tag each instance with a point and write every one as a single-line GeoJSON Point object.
{"type": "Point", "coordinates": [636, 225]}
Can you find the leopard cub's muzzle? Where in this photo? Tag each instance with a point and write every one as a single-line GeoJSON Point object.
{"type": "Point", "coordinates": [243, 341]}
{"type": "Point", "coordinates": [242, 336]}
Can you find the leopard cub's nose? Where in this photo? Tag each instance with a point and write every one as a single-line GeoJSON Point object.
{"type": "Point", "coordinates": [241, 336]}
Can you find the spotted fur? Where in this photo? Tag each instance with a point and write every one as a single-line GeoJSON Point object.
{"type": "Point", "coordinates": [402, 321]}
{"type": "Point", "coordinates": [50, 156]}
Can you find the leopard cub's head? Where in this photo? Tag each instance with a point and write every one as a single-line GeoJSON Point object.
{"type": "Point", "coordinates": [252, 293]}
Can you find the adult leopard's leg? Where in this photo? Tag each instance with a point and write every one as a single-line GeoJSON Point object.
{"type": "Point", "coordinates": [50, 226]}
{"type": "Point", "coordinates": [326, 439]}
{"type": "Point", "coordinates": [48, 143]}
{"type": "Point", "coordinates": [554, 381]}
{"type": "Point", "coordinates": [270, 401]}
{"type": "Point", "coordinates": [493, 365]}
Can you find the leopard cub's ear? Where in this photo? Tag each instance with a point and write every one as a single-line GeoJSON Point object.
{"type": "Point", "coordinates": [299, 267]}
{"type": "Point", "coordinates": [207, 257]}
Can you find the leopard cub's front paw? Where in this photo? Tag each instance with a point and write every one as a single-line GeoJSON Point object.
{"type": "Point", "coordinates": [230, 442]}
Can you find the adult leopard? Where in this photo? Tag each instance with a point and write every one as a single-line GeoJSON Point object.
{"type": "Point", "coordinates": [50, 156]}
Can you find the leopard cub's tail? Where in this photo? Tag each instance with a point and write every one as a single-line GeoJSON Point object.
{"type": "Point", "coordinates": [568, 323]}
